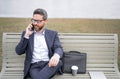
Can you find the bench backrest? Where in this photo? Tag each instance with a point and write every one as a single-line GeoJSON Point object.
{"type": "Point", "coordinates": [101, 49]}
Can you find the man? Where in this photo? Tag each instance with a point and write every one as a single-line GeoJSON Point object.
{"type": "Point", "coordinates": [42, 47]}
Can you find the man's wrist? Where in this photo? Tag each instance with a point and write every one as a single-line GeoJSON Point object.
{"type": "Point", "coordinates": [57, 55]}
{"type": "Point", "coordinates": [26, 36]}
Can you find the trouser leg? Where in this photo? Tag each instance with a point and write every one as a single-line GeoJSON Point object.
{"type": "Point", "coordinates": [43, 71]}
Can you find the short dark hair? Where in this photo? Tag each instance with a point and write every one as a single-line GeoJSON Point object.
{"type": "Point", "coordinates": [41, 12]}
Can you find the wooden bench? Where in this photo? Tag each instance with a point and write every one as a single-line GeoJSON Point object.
{"type": "Point", "coordinates": [101, 49]}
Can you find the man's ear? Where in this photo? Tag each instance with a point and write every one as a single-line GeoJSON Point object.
{"type": "Point", "coordinates": [45, 21]}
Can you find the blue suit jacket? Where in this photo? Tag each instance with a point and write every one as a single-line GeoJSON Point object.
{"type": "Point", "coordinates": [27, 46]}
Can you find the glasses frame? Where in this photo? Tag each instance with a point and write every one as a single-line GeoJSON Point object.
{"type": "Point", "coordinates": [37, 21]}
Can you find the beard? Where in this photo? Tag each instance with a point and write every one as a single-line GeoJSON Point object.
{"type": "Point", "coordinates": [39, 28]}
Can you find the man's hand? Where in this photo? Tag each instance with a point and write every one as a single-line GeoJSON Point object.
{"type": "Point", "coordinates": [54, 60]}
{"type": "Point", "coordinates": [29, 31]}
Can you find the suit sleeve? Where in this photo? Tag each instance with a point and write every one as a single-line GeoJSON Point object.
{"type": "Point", "coordinates": [22, 45]}
{"type": "Point", "coordinates": [57, 46]}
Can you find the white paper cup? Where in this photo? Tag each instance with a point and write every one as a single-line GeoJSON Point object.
{"type": "Point", "coordinates": [74, 70]}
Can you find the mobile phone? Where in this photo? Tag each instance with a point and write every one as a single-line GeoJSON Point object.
{"type": "Point", "coordinates": [32, 28]}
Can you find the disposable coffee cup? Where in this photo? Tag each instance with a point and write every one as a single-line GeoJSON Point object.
{"type": "Point", "coordinates": [74, 70]}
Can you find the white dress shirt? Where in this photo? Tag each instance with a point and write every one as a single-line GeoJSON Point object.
{"type": "Point", "coordinates": [40, 52]}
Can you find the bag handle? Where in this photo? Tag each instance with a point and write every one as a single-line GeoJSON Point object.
{"type": "Point", "coordinates": [74, 52]}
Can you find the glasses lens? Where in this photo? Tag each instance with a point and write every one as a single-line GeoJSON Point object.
{"type": "Point", "coordinates": [32, 20]}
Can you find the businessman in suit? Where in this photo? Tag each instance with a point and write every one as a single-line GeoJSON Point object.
{"type": "Point", "coordinates": [42, 48]}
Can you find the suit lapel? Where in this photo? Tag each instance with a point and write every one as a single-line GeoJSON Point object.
{"type": "Point", "coordinates": [47, 38]}
{"type": "Point", "coordinates": [31, 40]}
{"type": "Point", "coordinates": [48, 42]}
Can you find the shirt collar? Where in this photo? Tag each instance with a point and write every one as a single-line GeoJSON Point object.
{"type": "Point", "coordinates": [43, 33]}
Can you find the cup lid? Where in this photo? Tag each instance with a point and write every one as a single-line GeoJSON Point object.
{"type": "Point", "coordinates": [74, 67]}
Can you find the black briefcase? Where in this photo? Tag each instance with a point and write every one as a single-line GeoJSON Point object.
{"type": "Point", "coordinates": [74, 58]}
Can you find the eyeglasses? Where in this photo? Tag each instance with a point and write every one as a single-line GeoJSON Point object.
{"type": "Point", "coordinates": [37, 21]}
